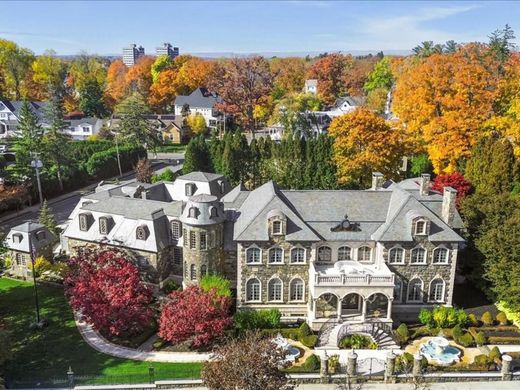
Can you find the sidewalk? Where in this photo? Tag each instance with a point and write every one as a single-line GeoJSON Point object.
{"type": "Point", "coordinates": [99, 343]}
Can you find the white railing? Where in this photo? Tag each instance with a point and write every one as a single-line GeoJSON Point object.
{"type": "Point", "coordinates": [345, 280]}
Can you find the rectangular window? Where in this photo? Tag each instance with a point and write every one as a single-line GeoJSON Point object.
{"type": "Point", "coordinates": [176, 230]}
{"type": "Point", "coordinates": [298, 255]}
{"type": "Point", "coordinates": [177, 256]}
{"type": "Point", "coordinates": [86, 129]}
{"type": "Point", "coordinates": [184, 237]}
{"type": "Point", "coordinates": [277, 227]}
{"type": "Point", "coordinates": [203, 242]}
{"type": "Point", "coordinates": [193, 240]}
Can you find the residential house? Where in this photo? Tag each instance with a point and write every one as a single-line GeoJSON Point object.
{"type": "Point", "coordinates": [26, 240]}
{"type": "Point", "coordinates": [201, 101]}
{"type": "Point", "coordinates": [311, 86]}
{"type": "Point", "coordinates": [169, 126]}
{"type": "Point", "coordinates": [351, 256]}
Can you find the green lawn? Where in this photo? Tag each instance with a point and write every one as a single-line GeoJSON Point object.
{"type": "Point", "coordinates": [42, 357]}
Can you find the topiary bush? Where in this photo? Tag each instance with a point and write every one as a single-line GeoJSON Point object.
{"type": "Point", "coordinates": [472, 320]}
{"type": "Point", "coordinates": [487, 319]}
{"type": "Point", "coordinates": [309, 341]}
{"type": "Point", "coordinates": [501, 318]}
{"type": "Point", "coordinates": [495, 354]}
{"type": "Point", "coordinates": [402, 333]}
{"type": "Point", "coordinates": [480, 338]}
{"type": "Point", "coordinates": [482, 361]}
{"type": "Point", "coordinates": [312, 363]}
{"type": "Point", "coordinates": [305, 330]}
{"type": "Point", "coordinates": [404, 362]}
{"type": "Point", "coordinates": [457, 332]}
{"type": "Point", "coordinates": [443, 317]}
{"type": "Point", "coordinates": [466, 340]}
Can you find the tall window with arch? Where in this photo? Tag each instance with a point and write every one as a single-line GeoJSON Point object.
{"type": "Point", "coordinates": [418, 256]}
{"type": "Point", "coordinates": [275, 289]}
{"type": "Point", "coordinates": [296, 290]}
{"type": "Point", "coordinates": [193, 272]}
{"type": "Point", "coordinates": [344, 253]}
{"type": "Point", "coordinates": [415, 290]}
{"type": "Point", "coordinates": [297, 255]}
{"type": "Point", "coordinates": [203, 270]}
{"type": "Point", "coordinates": [396, 256]}
{"type": "Point", "coordinates": [253, 255]}
{"type": "Point", "coordinates": [440, 256]}
{"type": "Point", "coordinates": [276, 256]}
{"type": "Point", "coordinates": [437, 290]}
{"type": "Point", "coordinates": [398, 289]}
{"type": "Point", "coordinates": [364, 253]}
{"type": "Point", "coordinates": [253, 290]}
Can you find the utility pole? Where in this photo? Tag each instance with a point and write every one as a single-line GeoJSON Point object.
{"type": "Point", "coordinates": [37, 164]}
{"type": "Point", "coordinates": [36, 300]}
{"type": "Point", "coordinates": [118, 159]}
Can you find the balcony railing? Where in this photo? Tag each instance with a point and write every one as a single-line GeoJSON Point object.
{"type": "Point", "coordinates": [353, 280]}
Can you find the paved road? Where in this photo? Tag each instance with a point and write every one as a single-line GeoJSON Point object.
{"type": "Point", "coordinates": [63, 205]}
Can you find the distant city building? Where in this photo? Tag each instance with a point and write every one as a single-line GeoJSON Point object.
{"type": "Point", "coordinates": [167, 49]}
{"type": "Point", "coordinates": [131, 54]}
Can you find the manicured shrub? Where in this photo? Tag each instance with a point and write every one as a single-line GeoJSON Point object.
{"type": "Point", "coordinates": [503, 340]}
{"type": "Point", "coordinates": [333, 363]}
{"type": "Point", "coordinates": [457, 332]}
{"type": "Point", "coordinates": [41, 264]}
{"type": "Point", "coordinates": [501, 318]}
{"type": "Point", "coordinates": [257, 319]}
{"type": "Point", "coordinates": [495, 354]}
{"type": "Point", "coordinates": [472, 320]}
{"type": "Point", "coordinates": [443, 317]}
{"type": "Point", "coordinates": [169, 286]}
{"type": "Point", "coordinates": [291, 333]}
{"type": "Point", "coordinates": [220, 284]}
{"type": "Point", "coordinates": [402, 333]}
{"type": "Point", "coordinates": [482, 361]}
{"type": "Point", "coordinates": [309, 341]}
{"type": "Point", "coordinates": [305, 330]}
{"type": "Point", "coordinates": [480, 338]}
{"type": "Point", "coordinates": [466, 340]}
{"type": "Point", "coordinates": [312, 363]}
{"type": "Point", "coordinates": [104, 164]}
{"type": "Point", "coordinates": [357, 341]}
{"type": "Point", "coordinates": [404, 362]}
{"type": "Point", "coordinates": [487, 318]}
{"type": "Point", "coordinates": [426, 317]}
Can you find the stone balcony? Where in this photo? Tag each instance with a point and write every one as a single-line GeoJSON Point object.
{"type": "Point", "coordinates": [352, 273]}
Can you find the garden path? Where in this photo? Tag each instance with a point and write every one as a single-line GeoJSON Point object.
{"type": "Point", "coordinates": [99, 343]}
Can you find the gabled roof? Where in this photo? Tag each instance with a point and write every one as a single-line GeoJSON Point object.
{"type": "Point", "coordinates": [28, 231]}
{"type": "Point", "coordinates": [16, 105]}
{"type": "Point", "coordinates": [200, 98]}
{"type": "Point", "coordinates": [201, 176]}
{"type": "Point", "coordinates": [353, 101]}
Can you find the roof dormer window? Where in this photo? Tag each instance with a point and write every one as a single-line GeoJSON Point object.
{"type": "Point", "coordinates": [190, 189]}
{"type": "Point", "coordinates": [420, 227]}
{"type": "Point", "coordinates": [213, 212]}
{"type": "Point", "coordinates": [104, 225]}
{"type": "Point", "coordinates": [141, 233]}
{"type": "Point", "coordinates": [84, 221]}
{"type": "Point", "coordinates": [277, 227]}
{"type": "Point", "coordinates": [192, 212]}
{"type": "Point", "coordinates": [17, 238]}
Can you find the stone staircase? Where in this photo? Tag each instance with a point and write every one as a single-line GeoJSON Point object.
{"type": "Point", "coordinates": [330, 335]}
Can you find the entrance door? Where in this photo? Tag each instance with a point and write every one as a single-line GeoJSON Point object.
{"type": "Point", "coordinates": [351, 305]}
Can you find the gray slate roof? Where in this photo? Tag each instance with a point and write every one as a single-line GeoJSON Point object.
{"type": "Point", "coordinates": [15, 106]}
{"type": "Point", "coordinates": [201, 176]}
{"type": "Point", "coordinates": [200, 98]}
{"type": "Point", "coordinates": [28, 232]}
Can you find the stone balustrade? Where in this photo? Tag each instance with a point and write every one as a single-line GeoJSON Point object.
{"type": "Point", "coordinates": [353, 280]}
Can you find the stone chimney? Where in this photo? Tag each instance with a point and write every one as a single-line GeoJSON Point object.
{"type": "Point", "coordinates": [425, 184]}
{"type": "Point", "coordinates": [377, 180]}
{"type": "Point", "coordinates": [448, 205]}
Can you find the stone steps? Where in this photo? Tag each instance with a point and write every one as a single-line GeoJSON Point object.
{"type": "Point", "coordinates": [329, 337]}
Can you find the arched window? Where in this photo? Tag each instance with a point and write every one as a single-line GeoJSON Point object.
{"type": "Point", "coordinates": [253, 255]}
{"type": "Point", "coordinates": [415, 290]}
{"type": "Point", "coordinates": [437, 290]}
{"type": "Point", "coordinates": [277, 227]}
{"type": "Point", "coordinates": [364, 253]}
{"type": "Point", "coordinates": [440, 256]}
{"type": "Point", "coordinates": [189, 189]}
{"type": "Point", "coordinates": [84, 222]}
{"type": "Point", "coordinates": [324, 254]}
{"type": "Point", "coordinates": [297, 255]}
{"type": "Point", "coordinates": [192, 212]}
{"type": "Point", "coordinates": [203, 270]}
{"type": "Point", "coordinates": [398, 289]}
{"type": "Point", "coordinates": [396, 256]}
{"type": "Point", "coordinates": [213, 212]}
{"type": "Point", "coordinates": [275, 289]}
{"type": "Point", "coordinates": [176, 227]}
{"type": "Point", "coordinates": [420, 227]}
{"type": "Point", "coordinates": [344, 253]}
{"type": "Point", "coordinates": [276, 255]}
{"type": "Point", "coordinates": [193, 272]}
{"type": "Point", "coordinates": [418, 256]}
{"type": "Point", "coordinates": [296, 290]}
{"type": "Point", "coordinates": [253, 290]}
{"type": "Point", "coordinates": [103, 225]}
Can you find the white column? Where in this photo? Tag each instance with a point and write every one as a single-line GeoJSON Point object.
{"type": "Point", "coordinates": [313, 308]}
{"type": "Point", "coordinates": [364, 310]}
{"type": "Point", "coordinates": [389, 310]}
{"type": "Point", "coordinates": [339, 308]}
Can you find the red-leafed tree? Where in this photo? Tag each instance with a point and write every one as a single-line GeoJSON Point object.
{"type": "Point", "coordinates": [194, 315]}
{"type": "Point", "coordinates": [106, 290]}
{"type": "Point", "coordinates": [455, 180]}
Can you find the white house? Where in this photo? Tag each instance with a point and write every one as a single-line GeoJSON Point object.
{"type": "Point", "coordinates": [81, 129]}
{"type": "Point", "coordinates": [201, 101]}
{"type": "Point", "coordinates": [311, 86]}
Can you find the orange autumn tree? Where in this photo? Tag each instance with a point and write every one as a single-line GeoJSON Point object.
{"type": "Point", "coordinates": [139, 77]}
{"type": "Point", "coordinates": [330, 72]}
{"type": "Point", "coordinates": [289, 74]}
{"type": "Point", "coordinates": [115, 84]}
{"type": "Point", "coordinates": [363, 143]}
{"type": "Point", "coordinates": [443, 101]}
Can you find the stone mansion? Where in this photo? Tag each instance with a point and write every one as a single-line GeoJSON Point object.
{"type": "Point", "coordinates": [380, 254]}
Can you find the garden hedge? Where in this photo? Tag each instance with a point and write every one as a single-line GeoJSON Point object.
{"type": "Point", "coordinates": [104, 164]}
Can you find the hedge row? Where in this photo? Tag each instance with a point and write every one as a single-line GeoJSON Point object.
{"type": "Point", "coordinates": [104, 164]}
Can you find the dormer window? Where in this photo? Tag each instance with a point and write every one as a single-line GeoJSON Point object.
{"type": "Point", "coordinates": [192, 212]}
{"type": "Point", "coordinates": [190, 189]}
{"type": "Point", "coordinates": [104, 225]}
{"type": "Point", "coordinates": [213, 212]}
{"type": "Point", "coordinates": [277, 227]}
{"type": "Point", "coordinates": [84, 222]}
{"type": "Point", "coordinates": [40, 235]}
{"type": "Point", "coordinates": [222, 186]}
{"type": "Point", "coordinates": [17, 238]}
{"type": "Point", "coordinates": [420, 227]}
{"type": "Point", "coordinates": [141, 233]}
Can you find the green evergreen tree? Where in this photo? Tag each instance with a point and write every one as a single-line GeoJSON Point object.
{"type": "Point", "coordinates": [56, 142]}
{"type": "Point", "coordinates": [197, 156]}
{"type": "Point", "coordinates": [492, 167]}
{"type": "Point", "coordinates": [29, 140]}
{"type": "Point", "coordinates": [91, 101]}
{"type": "Point", "coordinates": [46, 218]}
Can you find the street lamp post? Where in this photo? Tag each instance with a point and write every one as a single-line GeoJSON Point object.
{"type": "Point", "coordinates": [117, 149]}
{"type": "Point", "coordinates": [37, 164]}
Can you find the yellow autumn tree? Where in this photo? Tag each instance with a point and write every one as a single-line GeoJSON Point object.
{"type": "Point", "coordinates": [363, 143]}
{"type": "Point", "coordinates": [444, 99]}
{"type": "Point", "coordinates": [196, 123]}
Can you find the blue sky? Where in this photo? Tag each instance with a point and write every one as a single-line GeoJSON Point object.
{"type": "Point", "coordinates": [104, 27]}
